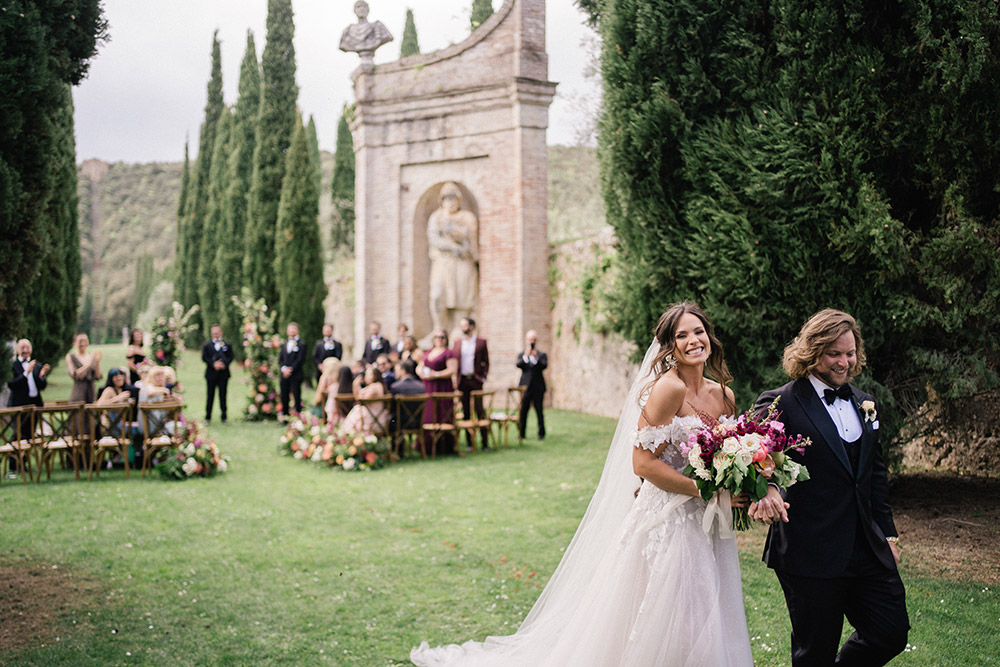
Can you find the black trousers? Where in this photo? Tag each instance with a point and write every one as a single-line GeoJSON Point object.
{"type": "Point", "coordinates": [530, 400]}
{"type": "Point", "coordinates": [291, 387]}
{"type": "Point", "coordinates": [869, 595]}
{"type": "Point", "coordinates": [467, 384]}
{"type": "Point", "coordinates": [222, 384]}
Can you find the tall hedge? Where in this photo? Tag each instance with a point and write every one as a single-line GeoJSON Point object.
{"type": "Point", "coordinates": [342, 185]}
{"type": "Point", "coordinates": [771, 159]}
{"type": "Point", "coordinates": [410, 45]}
{"type": "Point", "coordinates": [274, 132]}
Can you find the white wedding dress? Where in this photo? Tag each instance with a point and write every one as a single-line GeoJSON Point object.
{"type": "Point", "coordinates": [653, 581]}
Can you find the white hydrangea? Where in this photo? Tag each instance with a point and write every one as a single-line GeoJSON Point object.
{"type": "Point", "coordinates": [350, 463]}
{"type": "Point", "coordinates": [222, 466]}
{"type": "Point", "coordinates": [189, 467]}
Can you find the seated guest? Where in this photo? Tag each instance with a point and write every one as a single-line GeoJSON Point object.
{"type": "Point", "coordinates": [327, 383]}
{"type": "Point", "coordinates": [409, 384]}
{"type": "Point", "coordinates": [154, 390]}
{"type": "Point", "coordinates": [116, 390]}
{"type": "Point", "coordinates": [135, 355]}
{"type": "Point", "coordinates": [335, 411]}
{"type": "Point", "coordinates": [364, 419]}
{"type": "Point", "coordinates": [384, 367]}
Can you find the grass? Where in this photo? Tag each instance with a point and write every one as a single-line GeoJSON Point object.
{"type": "Point", "coordinates": [279, 562]}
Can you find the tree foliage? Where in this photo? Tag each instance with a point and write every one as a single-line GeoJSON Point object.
{"type": "Point", "coordinates": [773, 159]}
{"type": "Point", "coordinates": [45, 45]}
{"type": "Point", "coordinates": [298, 249]}
{"type": "Point", "coordinates": [274, 132]}
{"type": "Point", "coordinates": [481, 10]}
{"type": "Point", "coordinates": [410, 46]}
{"type": "Point", "coordinates": [213, 230]}
{"type": "Point", "coordinates": [342, 185]}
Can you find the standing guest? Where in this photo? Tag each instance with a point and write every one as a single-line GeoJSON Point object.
{"type": "Point", "coordinates": [832, 541]}
{"type": "Point", "coordinates": [473, 365]}
{"type": "Point", "coordinates": [217, 355]}
{"type": "Point", "coordinates": [27, 380]}
{"type": "Point", "coordinates": [438, 370]}
{"type": "Point", "coordinates": [291, 360]}
{"type": "Point", "coordinates": [84, 368]}
{"type": "Point", "coordinates": [326, 348]}
{"type": "Point", "coordinates": [386, 369]}
{"type": "Point", "coordinates": [411, 350]}
{"type": "Point", "coordinates": [532, 364]}
{"type": "Point", "coordinates": [376, 343]}
{"type": "Point", "coordinates": [135, 355]}
{"type": "Point", "coordinates": [326, 385]}
{"type": "Point", "coordinates": [402, 331]}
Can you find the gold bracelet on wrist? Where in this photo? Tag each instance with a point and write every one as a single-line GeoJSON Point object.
{"type": "Point", "coordinates": [892, 540]}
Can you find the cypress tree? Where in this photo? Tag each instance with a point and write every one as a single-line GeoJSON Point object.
{"type": "Point", "coordinates": [410, 45]}
{"type": "Point", "coordinates": [229, 257]}
{"type": "Point", "coordinates": [44, 45]}
{"type": "Point", "coordinates": [299, 253]}
{"type": "Point", "coordinates": [313, 140]}
{"type": "Point", "coordinates": [771, 160]}
{"type": "Point", "coordinates": [274, 131]}
{"type": "Point", "coordinates": [481, 10]}
{"type": "Point", "coordinates": [212, 232]}
{"type": "Point", "coordinates": [145, 281]}
{"type": "Point", "coordinates": [342, 186]}
{"type": "Point", "coordinates": [181, 243]}
{"type": "Point", "coordinates": [201, 182]}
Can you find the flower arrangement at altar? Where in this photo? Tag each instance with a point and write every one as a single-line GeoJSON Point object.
{"type": "Point", "coordinates": [744, 455]}
{"type": "Point", "coordinates": [198, 456]}
{"type": "Point", "coordinates": [310, 440]}
{"type": "Point", "coordinates": [168, 334]}
{"type": "Point", "coordinates": [260, 347]}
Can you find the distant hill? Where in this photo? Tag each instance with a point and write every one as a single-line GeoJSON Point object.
{"type": "Point", "coordinates": [129, 210]}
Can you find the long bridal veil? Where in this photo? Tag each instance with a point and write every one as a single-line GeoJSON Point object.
{"type": "Point", "coordinates": [589, 559]}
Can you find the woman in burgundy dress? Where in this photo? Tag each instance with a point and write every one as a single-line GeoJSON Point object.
{"type": "Point", "coordinates": [438, 370]}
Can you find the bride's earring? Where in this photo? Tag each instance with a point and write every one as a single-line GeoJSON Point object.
{"type": "Point", "coordinates": [669, 361]}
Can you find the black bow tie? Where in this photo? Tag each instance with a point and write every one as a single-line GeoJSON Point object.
{"type": "Point", "coordinates": [830, 395]}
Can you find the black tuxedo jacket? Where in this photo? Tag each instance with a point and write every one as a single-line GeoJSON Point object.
{"type": "Point", "coordinates": [532, 378]}
{"type": "Point", "coordinates": [210, 355]}
{"type": "Point", "coordinates": [320, 353]}
{"type": "Point", "coordinates": [372, 351]}
{"type": "Point", "coordinates": [825, 511]}
{"type": "Point", "coordinates": [18, 384]}
{"type": "Point", "coordinates": [294, 359]}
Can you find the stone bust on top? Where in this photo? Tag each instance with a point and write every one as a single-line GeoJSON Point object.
{"type": "Point", "coordinates": [364, 37]}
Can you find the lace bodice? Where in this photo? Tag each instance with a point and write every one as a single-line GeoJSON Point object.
{"type": "Point", "coordinates": [674, 434]}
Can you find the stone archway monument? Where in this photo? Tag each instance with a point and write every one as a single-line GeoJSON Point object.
{"type": "Point", "coordinates": [451, 186]}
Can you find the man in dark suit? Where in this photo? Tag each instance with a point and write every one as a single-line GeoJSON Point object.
{"type": "Point", "coordinates": [473, 366]}
{"type": "Point", "coordinates": [325, 348]}
{"type": "Point", "coordinates": [532, 364]}
{"type": "Point", "coordinates": [376, 343]}
{"type": "Point", "coordinates": [217, 355]}
{"type": "Point", "coordinates": [832, 542]}
{"type": "Point", "coordinates": [27, 380]}
{"type": "Point", "coordinates": [291, 359]}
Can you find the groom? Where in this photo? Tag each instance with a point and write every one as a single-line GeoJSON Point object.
{"type": "Point", "coordinates": [832, 542]}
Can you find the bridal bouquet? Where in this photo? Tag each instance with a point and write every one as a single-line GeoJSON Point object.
{"type": "Point", "coordinates": [744, 456]}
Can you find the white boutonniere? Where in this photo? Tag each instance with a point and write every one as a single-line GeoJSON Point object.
{"type": "Point", "coordinates": [868, 407]}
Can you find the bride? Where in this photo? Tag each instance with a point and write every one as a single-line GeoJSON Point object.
{"type": "Point", "coordinates": [653, 580]}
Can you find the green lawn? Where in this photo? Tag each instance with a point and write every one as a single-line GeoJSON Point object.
{"type": "Point", "coordinates": [278, 561]}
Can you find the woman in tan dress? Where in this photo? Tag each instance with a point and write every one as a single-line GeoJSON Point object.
{"type": "Point", "coordinates": [84, 368]}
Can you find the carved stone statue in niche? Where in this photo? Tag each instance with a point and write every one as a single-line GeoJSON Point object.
{"type": "Point", "coordinates": [364, 37]}
{"type": "Point", "coordinates": [453, 246]}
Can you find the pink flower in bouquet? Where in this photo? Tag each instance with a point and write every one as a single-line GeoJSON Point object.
{"type": "Point", "coordinates": [352, 450]}
{"type": "Point", "coordinates": [262, 388]}
{"type": "Point", "coordinates": [760, 454]}
{"type": "Point", "coordinates": [266, 408]}
{"type": "Point", "coordinates": [766, 466]}
{"type": "Point", "coordinates": [262, 368]}
{"type": "Point", "coordinates": [370, 457]}
{"type": "Point", "coordinates": [160, 355]}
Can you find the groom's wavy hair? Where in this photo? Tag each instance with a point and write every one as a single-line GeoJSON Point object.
{"type": "Point", "coordinates": [818, 333]}
{"type": "Point", "coordinates": [666, 328]}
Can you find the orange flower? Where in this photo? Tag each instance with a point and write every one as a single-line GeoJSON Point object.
{"type": "Point", "coordinates": [370, 457]}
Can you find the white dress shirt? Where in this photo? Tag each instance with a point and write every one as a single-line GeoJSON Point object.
{"type": "Point", "coordinates": [32, 387]}
{"type": "Point", "coordinates": [843, 413]}
{"type": "Point", "coordinates": [468, 362]}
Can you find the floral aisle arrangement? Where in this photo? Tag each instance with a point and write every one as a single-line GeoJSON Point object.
{"type": "Point", "coordinates": [198, 456]}
{"type": "Point", "coordinates": [168, 334]}
{"type": "Point", "coordinates": [309, 440]}
{"type": "Point", "coordinates": [260, 347]}
{"type": "Point", "coordinates": [744, 455]}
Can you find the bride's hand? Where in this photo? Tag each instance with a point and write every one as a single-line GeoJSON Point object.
{"type": "Point", "coordinates": [770, 508]}
{"type": "Point", "coordinates": [741, 499]}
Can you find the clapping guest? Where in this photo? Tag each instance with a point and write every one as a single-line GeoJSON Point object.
{"type": "Point", "coordinates": [326, 385]}
{"type": "Point", "coordinates": [532, 363]}
{"type": "Point", "coordinates": [326, 348]}
{"type": "Point", "coordinates": [376, 343]}
{"type": "Point", "coordinates": [135, 355]}
{"type": "Point", "coordinates": [84, 368]}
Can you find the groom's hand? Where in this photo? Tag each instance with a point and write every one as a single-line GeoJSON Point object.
{"type": "Point", "coordinates": [770, 508]}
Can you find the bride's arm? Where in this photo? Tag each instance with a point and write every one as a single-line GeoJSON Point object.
{"type": "Point", "coordinates": [665, 401]}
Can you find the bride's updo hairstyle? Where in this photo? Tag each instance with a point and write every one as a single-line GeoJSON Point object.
{"type": "Point", "coordinates": [666, 329]}
{"type": "Point", "coordinates": [818, 333]}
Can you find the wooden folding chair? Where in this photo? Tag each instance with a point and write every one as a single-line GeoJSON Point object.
{"type": "Point", "coordinates": [16, 426]}
{"type": "Point", "coordinates": [509, 416]}
{"type": "Point", "coordinates": [409, 413]}
{"type": "Point", "coordinates": [110, 432]}
{"type": "Point", "coordinates": [57, 429]}
{"type": "Point", "coordinates": [481, 405]}
{"type": "Point", "coordinates": [161, 429]}
{"type": "Point", "coordinates": [376, 413]}
{"type": "Point", "coordinates": [344, 403]}
{"type": "Point", "coordinates": [442, 422]}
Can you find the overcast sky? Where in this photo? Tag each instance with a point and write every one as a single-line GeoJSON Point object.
{"type": "Point", "coordinates": [147, 86]}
